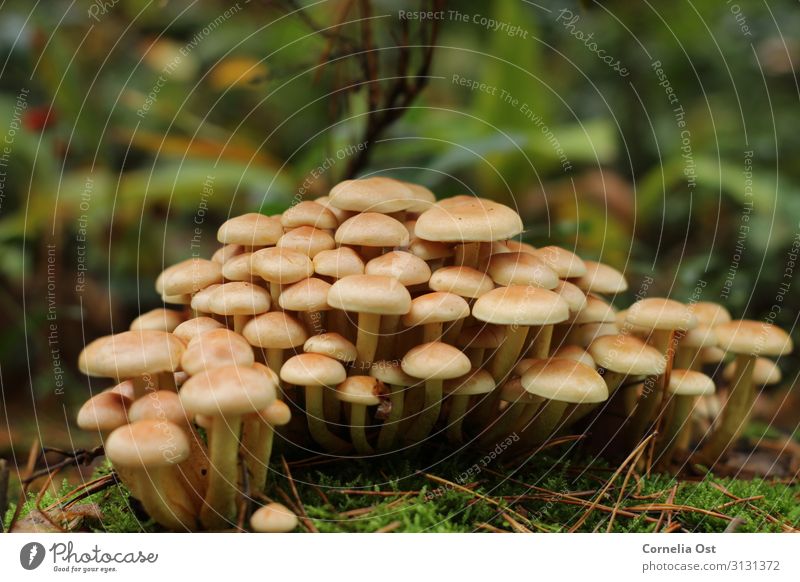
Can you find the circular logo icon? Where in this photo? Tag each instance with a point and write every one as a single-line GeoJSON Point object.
{"type": "Point", "coordinates": [31, 555]}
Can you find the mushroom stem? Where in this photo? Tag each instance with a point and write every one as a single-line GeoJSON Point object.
{"type": "Point", "coordinates": [330, 406]}
{"type": "Point", "coordinates": [542, 340]}
{"type": "Point", "coordinates": [239, 322]}
{"type": "Point", "coordinates": [459, 403]}
{"type": "Point", "coordinates": [508, 419]}
{"type": "Point", "coordinates": [679, 422]}
{"type": "Point", "coordinates": [262, 452]}
{"type": "Point", "coordinates": [431, 332]}
{"type": "Point", "coordinates": [430, 411]}
{"type": "Point", "coordinates": [467, 254]}
{"type": "Point", "coordinates": [545, 423]}
{"type": "Point", "coordinates": [315, 415]}
{"type": "Point", "coordinates": [388, 336]}
{"type": "Point", "coordinates": [453, 332]}
{"type": "Point", "coordinates": [253, 459]}
{"type": "Point", "coordinates": [223, 441]}
{"type": "Point", "coordinates": [369, 325]}
{"type": "Point", "coordinates": [647, 406]}
{"type": "Point", "coordinates": [275, 359]}
{"type": "Point", "coordinates": [358, 434]}
{"type": "Point", "coordinates": [388, 431]}
{"type": "Point", "coordinates": [166, 381]}
{"type": "Point", "coordinates": [475, 356]}
{"type": "Point", "coordinates": [164, 499]}
{"type": "Point", "coordinates": [735, 411]}
{"type": "Point", "coordinates": [275, 290]}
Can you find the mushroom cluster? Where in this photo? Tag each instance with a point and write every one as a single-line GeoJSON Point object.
{"type": "Point", "coordinates": [376, 319]}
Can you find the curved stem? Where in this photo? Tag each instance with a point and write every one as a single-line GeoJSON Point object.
{"type": "Point", "coordinates": [367, 340]}
{"type": "Point", "coordinates": [542, 340]}
{"type": "Point", "coordinates": [500, 365]}
{"type": "Point", "coordinates": [678, 424]}
{"type": "Point", "coordinates": [315, 410]}
{"type": "Point", "coordinates": [430, 411]}
{"type": "Point", "coordinates": [358, 422]}
{"type": "Point", "coordinates": [391, 425]}
{"type": "Point", "coordinates": [647, 406]}
{"type": "Point", "coordinates": [220, 506]}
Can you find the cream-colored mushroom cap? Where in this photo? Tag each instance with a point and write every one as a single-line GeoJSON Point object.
{"type": "Point", "coordinates": [474, 383]}
{"type": "Point", "coordinates": [338, 263]}
{"type": "Point", "coordinates": [391, 372]}
{"type": "Point", "coordinates": [250, 230]}
{"type": "Point", "coordinates": [565, 381]}
{"type": "Point", "coordinates": [405, 267]}
{"type": "Point", "coordinates": [312, 370]}
{"type": "Point", "coordinates": [276, 414]}
{"type": "Point", "coordinates": [307, 295]}
{"type": "Point", "coordinates": [627, 354]}
{"type": "Point", "coordinates": [701, 336]}
{"type": "Point", "coordinates": [517, 246]}
{"type": "Point", "coordinates": [765, 372]}
{"type": "Point", "coordinates": [104, 412]}
{"type": "Point", "coordinates": [429, 250]}
{"type": "Point", "coordinates": [421, 198]}
{"type": "Point", "coordinates": [576, 353]}
{"type": "Point", "coordinates": [188, 276]}
{"type": "Point", "coordinates": [370, 294]}
{"type": "Point", "coordinates": [275, 330]}
{"type": "Point", "coordinates": [341, 215]}
{"type": "Point", "coordinates": [238, 268]}
{"type": "Point", "coordinates": [754, 338]}
{"type": "Point", "coordinates": [239, 298]}
{"type": "Point", "coordinates": [158, 319]}
{"type": "Point", "coordinates": [436, 307]}
{"type": "Point", "coordinates": [575, 298]}
{"type": "Point", "coordinates": [521, 269]}
{"type": "Point", "coordinates": [226, 252]}
{"type": "Point", "coordinates": [475, 220]}
{"type": "Point", "coordinates": [711, 355]}
{"type": "Point", "coordinates": [657, 313]}
{"type": "Point", "coordinates": [159, 405]}
{"type": "Point", "coordinates": [518, 305]}
{"type": "Point", "coordinates": [710, 314]}
{"type": "Point", "coordinates": [228, 391]}
{"type": "Point", "coordinates": [371, 229]}
{"type": "Point", "coordinates": [595, 311]}
{"type": "Point", "coordinates": [435, 360]}
{"type": "Point", "coordinates": [583, 335]}
{"type": "Point", "coordinates": [273, 518]}
{"type": "Point", "coordinates": [513, 391]}
{"type": "Point", "coordinates": [309, 213]}
{"type": "Point", "coordinates": [333, 345]}
{"type": "Point", "coordinates": [147, 443]}
{"type": "Point", "coordinates": [191, 328]}
{"type": "Point", "coordinates": [690, 383]}
{"type": "Point", "coordinates": [130, 354]}
{"type": "Point", "coordinates": [307, 240]}
{"type": "Point", "coordinates": [282, 266]}
{"type": "Point", "coordinates": [376, 194]}
{"type": "Point", "coordinates": [202, 299]}
{"type": "Point", "coordinates": [214, 349]}
{"type": "Point", "coordinates": [565, 263]}
{"type": "Point", "coordinates": [464, 281]}
{"type": "Point", "coordinates": [363, 390]}
{"type": "Point", "coordinates": [601, 278]}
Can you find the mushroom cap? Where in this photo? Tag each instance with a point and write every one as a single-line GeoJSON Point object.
{"type": "Point", "coordinates": [753, 337]}
{"type": "Point", "coordinates": [575, 298]}
{"type": "Point", "coordinates": [521, 269]}
{"type": "Point", "coordinates": [712, 355]}
{"type": "Point", "coordinates": [566, 264]}
{"type": "Point", "coordinates": [595, 311]}
{"type": "Point", "coordinates": [701, 336]}
{"type": "Point", "coordinates": [482, 336]}
{"type": "Point", "coordinates": [565, 381]}
{"type": "Point", "coordinates": [273, 518]}
{"type": "Point", "coordinates": [372, 229]}
{"type": "Point", "coordinates": [104, 412]}
{"type": "Point", "coordinates": [147, 444]}
{"type": "Point", "coordinates": [370, 294]}
{"type": "Point", "coordinates": [518, 246]}
{"type": "Point", "coordinates": [239, 298]}
{"type": "Point", "coordinates": [216, 348]}
{"type": "Point", "coordinates": [282, 266]}
{"type": "Point", "coordinates": [130, 354]}
{"type": "Point", "coordinates": [627, 354]}
{"type": "Point", "coordinates": [188, 276]}
{"type": "Point", "coordinates": [765, 372]}
{"type": "Point", "coordinates": [159, 405]}
{"type": "Point", "coordinates": [307, 295]}
{"type": "Point", "coordinates": [238, 268]}
{"type": "Point", "coordinates": [405, 267]}
{"type": "Point", "coordinates": [576, 353]}
{"type": "Point", "coordinates": [513, 391]}
{"type": "Point", "coordinates": [584, 334]}
{"type": "Point", "coordinates": [126, 388]}
{"type": "Point", "coordinates": [435, 361]}
{"type": "Point", "coordinates": [421, 198]}
{"type": "Point", "coordinates": [341, 215]}
{"type": "Point", "coordinates": [518, 305]}
{"type": "Point", "coordinates": [228, 391]}
{"type": "Point", "coordinates": [473, 220]}
{"type": "Point", "coordinates": [275, 330]}
{"type": "Point", "coordinates": [307, 240]}
{"type": "Point", "coordinates": [250, 230]}
{"type": "Point", "coordinates": [464, 281]}
{"type": "Point", "coordinates": [363, 390]}
{"type": "Point", "coordinates": [309, 213]}
{"type": "Point", "coordinates": [657, 313]}
{"type": "Point", "coordinates": [436, 307]}
{"type": "Point", "coordinates": [158, 319]}
{"type": "Point", "coordinates": [312, 370]}
{"type": "Point", "coordinates": [202, 299]}
{"type": "Point", "coordinates": [601, 278]}
{"type": "Point", "coordinates": [709, 314]}
{"type": "Point", "coordinates": [690, 383]}
{"type": "Point", "coordinates": [226, 252]}
{"type": "Point", "coordinates": [276, 414]}
{"type": "Point", "coordinates": [475, 382]}
{"type": "Point", "coordinates": [429, 250]}
{"type": "Point", "coordinates": [185, 299]}
{"type": "Point", "coordinates": [391, 372]}
{"type": "Point", "coordinates": [338, 263]}
{"type": "Point", "coordinates": [375, 194]}
{"type": "Point", "coordinates": [333, 345]}
{"type": "Point", "coordinates": [191, 328]}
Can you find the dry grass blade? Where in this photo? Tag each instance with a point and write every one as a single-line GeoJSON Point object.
{"type": "Point", "coordinates": [299, 503]}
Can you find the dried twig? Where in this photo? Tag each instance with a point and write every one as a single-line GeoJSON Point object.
{"type": "Point", "coordinates": [301, 509]}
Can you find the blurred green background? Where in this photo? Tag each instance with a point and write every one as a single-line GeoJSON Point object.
{"type": "Point", "coordinates": [659, 139]}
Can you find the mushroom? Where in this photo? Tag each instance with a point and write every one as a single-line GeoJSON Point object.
{"type": "Point", "coordinates": [158, 319]}
{"type": "Point", "coordinates": [200, 301]}
{"type": "Point", "coordinates": [459, 391]}
{"type": "Point", "coordinates": [476, 339]}
{"type": "Point", "coordinates": [275, 332]}
{"type": "Point", "coordinates": [509, 269]}
{"type": "Point", "coordinates": [566, 264]}
{"type": "Point", "coordinates": [307, 240]}
{"type": "Point", "coordinates": [259, 445]}
{"type": "Point", "coordinates": [280, 267]}
{"type": "Point", "coordinates": [521, 406]}
{"type": "Point", "coordinates": [215, 349]}
{"type": "Point", "coordinates": [374, 194]}
{"type": "Point", "coordinates": [392, 375]}
{"type": "Point", "coordinates": [239, 268]}
{"type": "Point", "coordinates": [239, 300]}
{"type": "Point", "coordinates": [104, 412]}
{"type": "Point", "coordinates": [309, 298]}
{"type": "Point", "coordinates": [251, 231]}
{"type": "Point", "coordinates": [309, 213]}
{"type": "Point", "coordinates": [225, 395]}
{"type": "Point", "coordinates": [273, 518]}
{"type": "Point", "coordinates": [360, 392]}
{"type": "Point", "coordinates": [188, 277]}
{"type": "Point", "coordinates": [684, 387]}
{"type": "Point", "coordinates": [765, 372]}
{"type": "Point", "coordinates": [372, 232]}
{"type": "Point", "coordinates": [226, 252]}
{"type": "Point", "coordinates": [601, 279]}
{"type": "Point", "coordinates": [339, 348]}
{"type": "Point", "coordinates": [433, 310]}
{"type": "Point", "coordinates": [191, 328]}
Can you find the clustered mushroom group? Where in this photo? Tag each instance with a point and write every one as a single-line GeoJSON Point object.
{"type": "Point", "coordinates": [376, 319]}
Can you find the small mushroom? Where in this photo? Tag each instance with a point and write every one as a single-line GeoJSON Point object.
{"type": "Point", "coordinates": [280, 267]}
{"type": "Point", "coordinates": [684, 387]}
{"type": "Point", "coordinates": [309, 213]}
{"type": "Point", "coordinates": [158, 319]}
{"type": "Point", "coordinates": [392, 375]}
{"type": "Point", "coordinates": [360, 392]}
{"type": "Point", "coordinates": [273, 518]}
{"type": "Point", "coordinates": [372, 232]}
{"type": "Point", "coordinates": [460, 390]}
{"type": "Point", "coordinates": [191, 328]}
{"type": "Point", "coordinates": [239, 300]}
{"type": "Point", "coordinates": [251, 231]}
{"type": "Point", "coordinates": [309, 298]}
{"type": "Point", "coordinates": [214, 349]}
{"type": "Point", "coordinates": [307, 240]}
{"type": "Point", "coordinates": [275, 332]}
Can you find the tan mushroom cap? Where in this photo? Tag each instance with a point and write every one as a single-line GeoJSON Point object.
{"type": "Point", "coordinates": [104, 412]}
{"type": "Point", "coordinates": [228, 391]}
{"type": "Point", "coordinates": [595, 311]}
{"type": "Point", "coordinates": [459, 199]}
{"type": "Point", "coordinates": [565, 381]}
{"type": "Point", "coordinates": [376, 194]}
{"type": "Point", "coordinates": [565, 263]}
{"type": "Point", "coordinates": [338, 263]}
{"type": "Point", "coordinates": [191, 328]}
{"type": "Point", "coordinates": [238, 268]}
{"type": "Point", "coordinates": [473, 220]}
{"type": "Point", "coordinates": [712, 355]}
{"type": "Point", "coordinates": [239, 298]}
{"type": "Point", "coordinates": [307, 295]}
{"type": "Point", "coordinates": [627, 354]}
{"type": "Point", "coordinates": [517, 246]}
{"type": "Point", "coordinates": [521, 269]}
{"type": "Point", "coordinates": [391, 372]}
{"type": "Point", "coordinates": [710, 314]}
{"type": "Point", "coordinates": [370, 294]}
{"type": "Point", "coordinates": [341, 215]}
{"type": "Point", "coordinates": [188, 276]}
{"type": "Point", "coordinates": [142, 444]}
{"type": "Point", "coordinates": [159, 405]}
{"type": "Point", "coordinates": [436, 361]}
{"type": "Point", "coordinates": [273, 518]}
{"type": "Point", "coordinates": [436, 307]}
{"type": "Point", "coordinates": [701, 336]}
{"type": "Point", "coordinates": [333, 345]}
{"type": "Point", "coordinates": [307, 240]}
{"type": "Point", "coordinates": [765, 372]}
{"type": "Point", "coordinates": [575, 298]}
{"type": "Point", "coordinates": [513, 391]}
{"type": "Point", "coordinates": [522, 366]}
{"type": "Point", "coordinates": [282, 266]}
{"type": "Point", "coordinates": [130, 354]}
{"type": "Point", "coordinates": [482, 336]}
{"type": "Point", "coordinates": [690, 383]}
{"type": "Point", "coordinates": [312, 370]}
{"type": "Point", "coordinates": [185, 299]}
{"type": "Point", "coordinates": [309, 213]}
{"type": "Point", "coordinates": [371, 229]}
{"type": "Point", "coordinates": [518, 305]}
{"type": "Point", "coordinates": [429, 250]}
{"type": "Point", "coordinates": [363, 390]}
{"type": "Point", "coordinates": [657, 313]}
{"type": "Point", "coordinates": [126, 388]}
{"type": "Point", "coordinates": [576, 353]}
{"type": "Point", "coordinates": [475, 382]}
{"type": "Point", "coordinates": [464, 281]}
{"type": "Point", "coordinates": [405, 267]}
{"type": "Point", "coordinates": [753, 337]}
{"type": "Point", "coordinates": [158, 319]}
{"type": "Point", "coordinates": [421, 198]}
{"type": "Point", "coordinates": [601, 278]}
{"type": "Point", "coordinates": [202, 299]}
{"type": "Point", "coordinates": [250, 230]}
{"type": "Point", "coordinates": [216, 348]}
{"type": "Point", "coordinates": [226, 252]}
{"type": "Point", "coordinates": [584, 334]}
{"type": "Point", "coordinates": [275, 330]}
{"type": "Point", "coordinates": [276, 414]}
